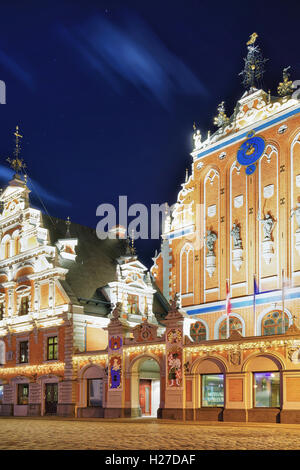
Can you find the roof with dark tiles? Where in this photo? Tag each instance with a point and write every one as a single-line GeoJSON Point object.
{"type": "Point", "coordinates": [94, 268]}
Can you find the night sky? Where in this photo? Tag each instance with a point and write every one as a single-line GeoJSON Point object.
{"type": "Point", "coordinates": [105, 93]}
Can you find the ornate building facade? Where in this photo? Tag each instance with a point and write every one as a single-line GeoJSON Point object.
{"type": "Point", "coordinates": [233, 236]}
{"type": "Point", "coordinates": [212, 333]}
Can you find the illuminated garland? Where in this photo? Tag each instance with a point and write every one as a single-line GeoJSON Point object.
{"type": "Point", "coordinates": [252, 345]}
{"type": "Point", "coordinates": [90, 358]}
{"type": "Point", "coordinates": [35, 369]}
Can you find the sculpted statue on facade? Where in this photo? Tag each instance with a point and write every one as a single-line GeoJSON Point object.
{"type": "Point", "coordinates": [197, 139]}
{"type": "Point", "coordinates": [235, 233]}
{"type": "Point", "coordinates": [268, 225]}
{"type": "Point", "coordinates": [296, 212]}
{"type": "Point", "coordinates": [211, 238]}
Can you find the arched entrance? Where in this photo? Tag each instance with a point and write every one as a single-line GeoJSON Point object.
{"type": "Point", "coordinates": [145, 387]}
{"type": "Point", "coordinates": [92, 385]}
{"type": "Point", "coordinates": [265, 387]}
{"type": "Point", "coordinates": [209, 400]}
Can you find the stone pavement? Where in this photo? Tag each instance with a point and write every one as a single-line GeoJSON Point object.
{"type": "Point", "coordinates": [53, 433]}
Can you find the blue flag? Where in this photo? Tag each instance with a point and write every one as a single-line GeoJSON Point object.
{"type": "Point", "coordinates": [256, 290]}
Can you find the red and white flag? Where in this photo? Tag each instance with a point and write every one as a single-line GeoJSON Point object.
{"type": "Point", "coordinates": [228, 302]}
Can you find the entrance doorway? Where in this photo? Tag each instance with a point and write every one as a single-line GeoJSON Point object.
{"type": "Point", "coordinates": [51, 398]}
{"type": "Point", "coordinates": [148, 388]}
{"type": "Point", "coordinates": [145, 397]}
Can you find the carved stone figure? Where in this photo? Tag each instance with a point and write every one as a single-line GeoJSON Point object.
{"type": "Point", "coordinates": [197, 139]}
{"type": "Point", "coordinates": [296, 212]}
{"type": "Point", "coordinates": [235, 233]}
{"type": "Point", "coordinates": [268, 225]}
{"type": "Point", "coordinates": [211, 238]}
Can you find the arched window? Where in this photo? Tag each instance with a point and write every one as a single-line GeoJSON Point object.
{"type": "Point", "coordinates": [2, 352]}
{"type": "Point", "coordinates": [24, 305]}
{"type": "Point", "coordinates": [17, 245]}
{"type": "Point", "coordinates": [272, 323]}
{"type": "Point", "coordinates": [198, 331]}
{"type": "Point", "coordinates": [5, 247]}
{"type": "Point", "coordinates": [187, 269]}
{"type": "Point", "coordinates": [234, 324]}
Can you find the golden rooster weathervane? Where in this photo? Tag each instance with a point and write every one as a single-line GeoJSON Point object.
{"type": "Point", "coordinates": [252, 39]}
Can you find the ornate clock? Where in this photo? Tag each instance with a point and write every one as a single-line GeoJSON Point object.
{"type": "Point", "coordinates": [250, 151]}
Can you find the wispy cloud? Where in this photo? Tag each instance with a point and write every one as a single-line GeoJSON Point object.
{"type": "Point", "coordinates": [38, 192]}
{"type": "Point", "coordinates": [15, 69]}
{"type": "Point", "coordinates": [132, 52]}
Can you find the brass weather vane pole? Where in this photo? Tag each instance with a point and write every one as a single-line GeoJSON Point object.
{"type": "Point", "coordinates": [17, 163]}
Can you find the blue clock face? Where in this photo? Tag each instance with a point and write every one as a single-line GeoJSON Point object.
{"type": "Point", "coordinates": [250, 151]}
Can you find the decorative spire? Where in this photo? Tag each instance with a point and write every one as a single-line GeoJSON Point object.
{"type": "Point", "coordinates": [132, 248]}
{"type": "Point", "coordinates": [68, 223]}
{"type": "Point", "coordinates": [285, 88]}
{"type": "Point", "coordinates": [17, 164]}
{"type": "Point", "coordinates": [254, 64]}
{"type": "Point", "coordinates": [221, 119]}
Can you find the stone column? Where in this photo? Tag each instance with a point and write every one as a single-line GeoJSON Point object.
{"type": "Point", "coordinates": [174, 388]}
{"type": "Point", "coordinates": [236, 405]}
{"type": "Point", "coordinates": [115, 404]}
{"type": "Point", "coordinates": [67, 388]}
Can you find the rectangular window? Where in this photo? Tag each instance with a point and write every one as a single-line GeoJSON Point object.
{"type": "Point", "coordinates": [267, 389]}
{"type": "Point", "coordinates": [1, 310]}
{"type": "Point", "coordinates": [212, 390]}
{"type": "Point", "coordinates": [52, 348]}
{"type": "Point", "coordinates": [1, 394]}
{"type": "Point", "coordinates": [133, 303]}
{"type": "Point", "coordinates": [23, 352]}
{"type": "Point", "coordinates": [23, 394]}
{"type": "Point", "coordinates": [95, 392]}
{"type": "Point", "coordinates": [24, 306]}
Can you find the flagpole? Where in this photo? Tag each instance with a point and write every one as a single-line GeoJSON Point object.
{"type": "Point", "coordinates": [282, 294]}
{"type": "Point", "coordinates": [227, 308]}
{"type": "Point", "coordinates": [254, 303]}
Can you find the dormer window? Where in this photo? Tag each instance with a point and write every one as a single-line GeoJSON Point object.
{"type": "Point", "coordinates": [133, 304]}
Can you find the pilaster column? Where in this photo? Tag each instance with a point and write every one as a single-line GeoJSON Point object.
{"type": "Point", "coordinates": [10, 286]}
{"type": "Point", "coordinates": [174, 391]}
{"type": "Point", "coordinates": [116, 378]}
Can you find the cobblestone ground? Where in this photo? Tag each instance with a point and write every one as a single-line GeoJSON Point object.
{"type": "Point", "coordinates": [66, 434]}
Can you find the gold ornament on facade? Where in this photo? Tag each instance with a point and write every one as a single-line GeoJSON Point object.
{"type": "Point", "coordinates": [221, 119]}
{"type": "Point", "coordinates": [235, 357]}
{"type": "Point", "coordinates": [285, 88]}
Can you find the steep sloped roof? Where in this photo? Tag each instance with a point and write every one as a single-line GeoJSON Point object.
{"type": "Point", "coordinates": [94, 268]}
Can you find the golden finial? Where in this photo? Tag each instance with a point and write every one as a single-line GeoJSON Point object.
{"type": "Point", "coordinates": [194, 126]}
{"type": "Point", "coordinates": [221, 119]}
{"type": "Point", "coordinates": [252, 39]}
{"type": "Point", "coordinates": [285, 87]}
{"type": "Point", "coordinates": [17, 163]}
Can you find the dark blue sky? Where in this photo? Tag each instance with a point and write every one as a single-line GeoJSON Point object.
{"type": "Point", "coordinates": [106, 92]}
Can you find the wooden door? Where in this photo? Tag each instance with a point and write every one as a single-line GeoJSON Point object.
{"type": "Point", "coordinates": [145, 397]}
{"type": "Point", "coordinates": [51, 398]}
